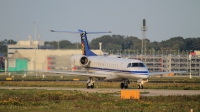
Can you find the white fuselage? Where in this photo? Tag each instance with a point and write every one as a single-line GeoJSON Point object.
{"type": "Point", "coordinates": [117, 68]}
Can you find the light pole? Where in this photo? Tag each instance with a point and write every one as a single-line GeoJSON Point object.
{"type": "Point", "coordinates": [35, 48]}
{"type": "Point", "coordinates": [58, 43]}
{"type": "Point", "coordinates": [190, 65]}
{"type": "Point", "coordinates": [77, 44]}
{"type": "Point", "coordinates": [35, 29]}
{"type": "Point", "coordinates": [178, 52]}
{"type": "Point", "coordinates": [179, 60]}
{"type": "Point", "coordinates": [187, 60]}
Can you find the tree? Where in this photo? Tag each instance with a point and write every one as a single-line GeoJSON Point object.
{"type": "Point", "coordinates": [114, 48]}
{"type": "Point", "coordinates": [3, 45]}
{"type": "Point", "coordinates": [63, 44]}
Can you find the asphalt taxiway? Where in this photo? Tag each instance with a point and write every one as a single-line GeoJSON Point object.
{"type": "Point", "coordinates": [150, 92]}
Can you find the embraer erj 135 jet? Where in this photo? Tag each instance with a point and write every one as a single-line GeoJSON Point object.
{"type": "Point", "coordinates": [107, 68]}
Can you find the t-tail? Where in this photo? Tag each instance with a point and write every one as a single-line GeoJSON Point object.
{"type": "Point", "coordinates": [84, 42]}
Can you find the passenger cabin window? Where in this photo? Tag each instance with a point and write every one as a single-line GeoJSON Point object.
{"type": "Point", "coordinates": [138, 65]}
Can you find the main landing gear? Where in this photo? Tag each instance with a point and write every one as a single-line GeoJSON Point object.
{"type": "Point", "coordinates": [90, 83]}
{"type": "Point", "coordinates": [124, 84]}
{"type": "Point", "coordinates": [140, 86]}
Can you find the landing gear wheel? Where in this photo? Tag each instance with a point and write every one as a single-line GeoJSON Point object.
{"type": "Point", "coordinates": [140, 86]}
{"type": "Point", "coordinates": [92, 86]}
{"type": "Point", "coordinates": [90, 83]}
{"type": "Point", "coordinates": [122, 85]}
{"type": "Point", "coordinates": [88, 87]}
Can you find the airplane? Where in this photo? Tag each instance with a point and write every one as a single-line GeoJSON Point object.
{"type": "Point", "coordinates": [107, 68]}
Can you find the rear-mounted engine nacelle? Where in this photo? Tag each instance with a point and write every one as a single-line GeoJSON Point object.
{"type": "Point", "coordinates": [79, 60]}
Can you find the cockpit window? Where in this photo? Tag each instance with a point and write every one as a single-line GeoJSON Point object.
{"type": "Point", "coordinates": [138, 65]}
{"type": "Point", "coordinates": [129, 65]}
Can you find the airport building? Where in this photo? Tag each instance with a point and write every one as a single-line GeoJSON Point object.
{"type": "Point", "coordinates": [189, 62]}
{"type": "Point", "coordinates": [34, 55]}
{"type": "Point", "coordinates": [27, 45]}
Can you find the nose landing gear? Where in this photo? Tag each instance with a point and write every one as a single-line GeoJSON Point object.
{"type": "Point", "coordinates": [140, 83]}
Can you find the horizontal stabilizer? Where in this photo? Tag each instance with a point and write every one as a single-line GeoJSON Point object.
{"type": "Point", "coordinates": [98, 32]}
{"type": "Point", "coordinates": [81, 31]}
{"type": "Point", "coordinates": [66, 31]}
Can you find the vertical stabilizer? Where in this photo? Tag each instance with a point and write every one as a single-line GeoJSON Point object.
{"type": "Point", "coordinates": [85, 47]}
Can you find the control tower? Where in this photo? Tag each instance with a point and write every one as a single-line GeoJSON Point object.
{"type": "Point", "coordinates": [143, 29]}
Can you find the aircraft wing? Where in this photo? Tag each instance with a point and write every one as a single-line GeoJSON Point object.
{"type": "Point", "coordinates": [162, 73]}
{"type": "Point", "coordinates": [77, 73]}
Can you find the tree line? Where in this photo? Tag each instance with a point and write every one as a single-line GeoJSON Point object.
{"type": "Point", "coordinates": [120, 43]}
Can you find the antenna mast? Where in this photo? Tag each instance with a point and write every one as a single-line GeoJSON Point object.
{"type": "Point", "coordinates": [143, 29]}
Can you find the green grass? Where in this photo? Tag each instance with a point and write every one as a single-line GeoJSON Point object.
{"type": "Point", "coordinates": [174, 79]}
{"type": "Point", "coordinates": [59, 101]}
{"type": "Point", "coordinates": [180, 83]}
{"type": "Point", "coordinates": [82, 84]}
{"type": "Point", "coordinates": [32, 77]}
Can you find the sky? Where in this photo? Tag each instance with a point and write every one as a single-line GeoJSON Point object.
{"type": "Point", "coordinates": [164, 18]}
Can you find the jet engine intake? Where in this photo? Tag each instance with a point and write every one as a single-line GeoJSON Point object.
{"type": "Point", "coordinates": [80, 60]}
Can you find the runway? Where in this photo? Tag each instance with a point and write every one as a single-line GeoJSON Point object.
{"type": "Point", "coordinates": [150, 92]}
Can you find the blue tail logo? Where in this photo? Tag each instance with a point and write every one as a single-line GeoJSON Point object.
{"type": "Point", "coordinates": [85, 47]}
